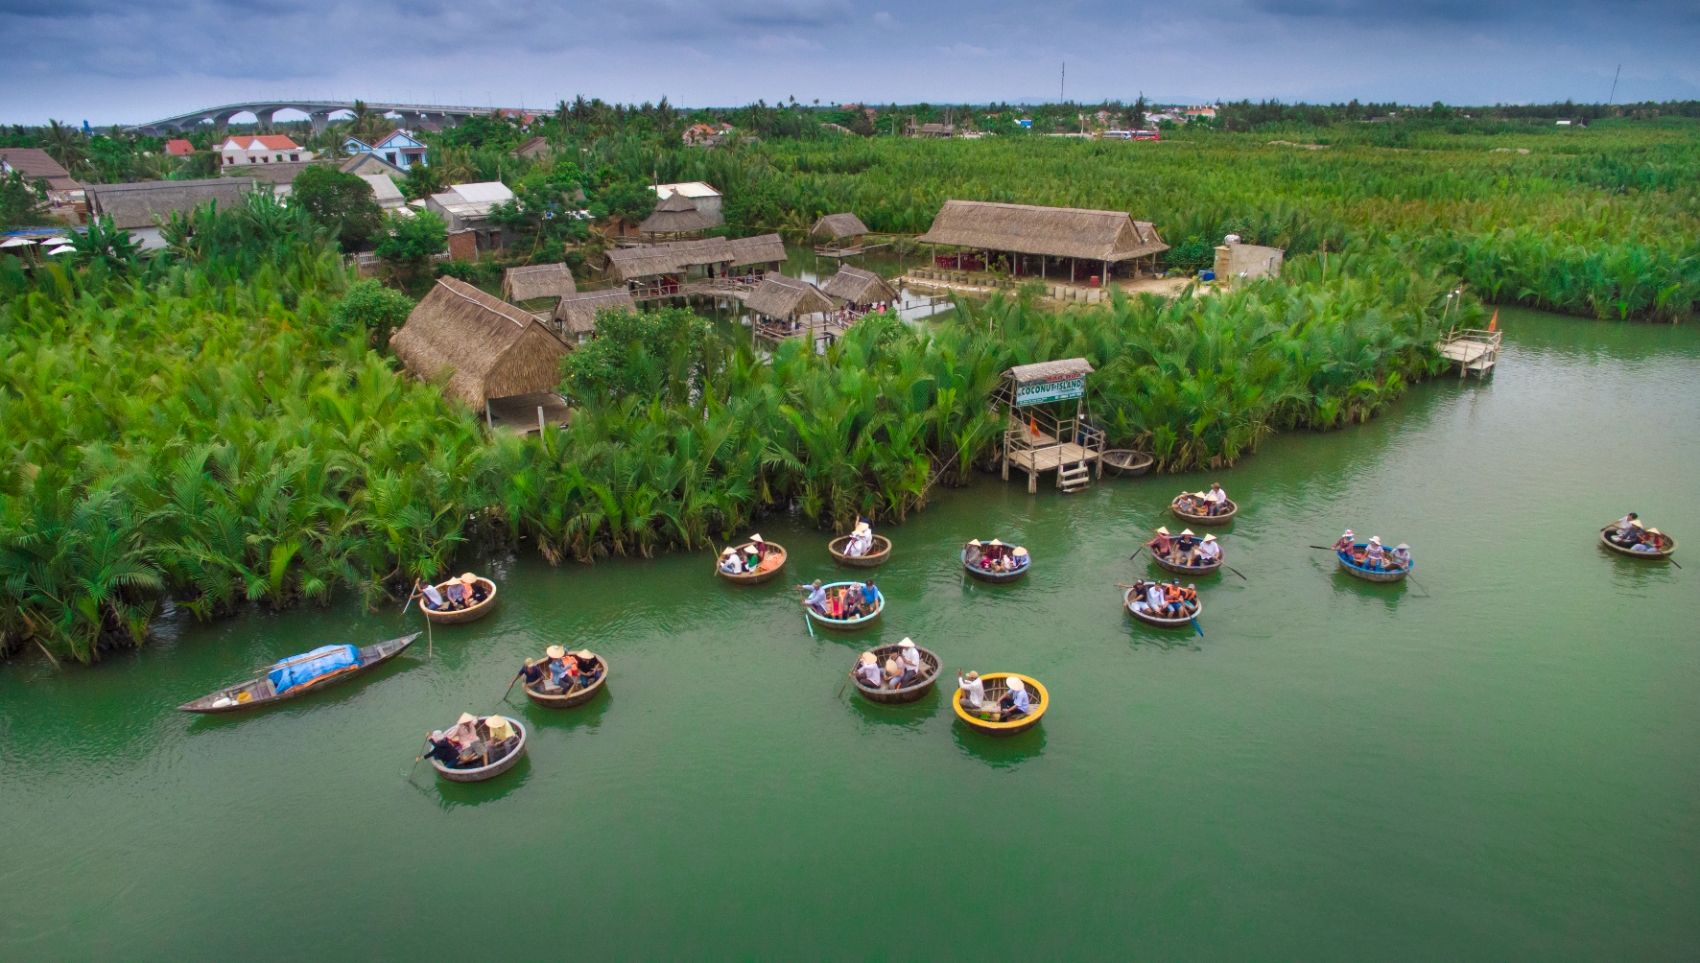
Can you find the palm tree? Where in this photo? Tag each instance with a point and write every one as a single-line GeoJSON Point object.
{"type": "Point", "coordinates": [66, 145]}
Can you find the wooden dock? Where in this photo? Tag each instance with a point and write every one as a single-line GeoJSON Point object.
{"type": "Point", "coordinates": [1473, 350]}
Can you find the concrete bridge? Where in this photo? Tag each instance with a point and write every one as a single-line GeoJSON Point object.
{"type": "Point", "coordinates": [318, 110]}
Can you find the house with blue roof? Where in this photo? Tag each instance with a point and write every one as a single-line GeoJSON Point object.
{"type": "Point", "coordinates": [399, 148]}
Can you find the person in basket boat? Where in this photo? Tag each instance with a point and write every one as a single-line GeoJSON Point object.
{"type": "Point", "coordinates": [555, 671]}
{"type": "Point", "coordinates": [893, 678]}
{"type": "Point", "coordinates": [868, 672]}
{"type": "Point", "coordinates": [1400, 558]}
{"type": "Point", "coordinates": [870, 598]}
{"type": "Point", "coordinates": [992, 556]}
{"type": "Point", "coordinates": [1156, 600]}
{"type": "Point", "coordinates": [1209, 551]}
{"type": "Point", "coordinates": [853, 600]}
{"type": "Point", "coordinates": [1215, 500]}
{"type": "Point", "coordinates": [1346, 542]}
{"type": "Point", "coordinates": [909, 661]}
{"type": "Point", "coordinates": [1651, 542]}
{"type": "Point", "coordinates": [1163, 545]}
{"type": "Point", "coordinates": [973, 691]}
{"type": "Point", "coordinates": [441, 748]}
{"type": "Point", "coordinates": [457, 595]}
{"type": "Point", "coordinates": [976, 552]}
{"type": "Point", "coordinates": [1628, 530]}
{"type": "Point", "coordinates": [531, 672]}
{"type": "Point", "coordinates": [861, 539]}
{"type": "Point", "coordinates": [589, 667]}
{"type": "Point", "coordinates": [429, 597]}
{"type": "Point", "coordinates": [501, 738]}
{"type": "Point", "coordinates": [730, 563]}
{"type": "Point", "coordinates": [816, 599]}
{"type": "Point", "coordinates": [1016, 702]}
{"type": "Point", "coordinates": [474, 588]}
{"type": "Point", "coordinates": [1186, 545]}
{"type": "Point", "coordinates": [1375, 557]}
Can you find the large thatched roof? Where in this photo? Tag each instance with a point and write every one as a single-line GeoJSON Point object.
{"type": "Point", "coordinates": [1024, 374]}
{"type": "Point", "coordinates": [537, 281]}
{"type": "Point", "coordinates": [488, 348]}
{"type": "Point", "coordinates": [678, 214]}
{"type": "Point", "coordinates": [784, 297]}
{"type": "Point", "coordinates": [761, 249]}
{"type": "Point", "coordinates": [673, 257]}
{"type": "Point", "coordinates": [151, 202]}
{"type": "Point", "coordinates": [33, 163]}
{"type": "Point", "coordinates": [840, 225]}
{"type": "Point", "coordinates": [577, 312]}
{"type": "Point", "coordinates": [1053, 231]}
{"type": "Point", "coordinates": [857, 286]}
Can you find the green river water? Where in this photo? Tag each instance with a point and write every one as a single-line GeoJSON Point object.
{"type": "Point", "coordinates": [1501, 768]}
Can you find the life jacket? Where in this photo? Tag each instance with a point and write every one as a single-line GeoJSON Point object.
{"type": "Point", "coordinates": [1189, 594]}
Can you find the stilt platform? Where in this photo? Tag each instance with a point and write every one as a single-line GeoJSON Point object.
{"type": "Point", "coordinates": [1473, 351]}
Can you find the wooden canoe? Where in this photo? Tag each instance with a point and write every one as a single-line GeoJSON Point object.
{"type": "Point", "coordinates": [259, 691]}
{"type": "Point", "coordinates": [1126, 461]}
{"type": "Point", "coordinates": [568, 700]}
{"type": "Point", "coordinates": [471, 613]}
{"type": "Point", "coordinates": [909, 693]}
{"type": "Point", "coordinates": [1207, 520]}
{"type": "Point", "coordinates": [1180, 569]}
{"type": "Point", "coordinates": [1184, 621]}
{"type": "Point", "coordinates": [1667, 547]}
{"type": "Point", "coordinates": [754, 578]}
{"type": "Point", "coordinates": [976, 571]}
{"type": "Point", "coordinates": [1371, 574]}
{"type": "Point", "coordinates": [481, 773]}
{"type": "Point", "coordinates": [881, 550]}
{"type": "Point", "coordinates": [845, 625]}
{"type": "Point", "coordinates": [997, 688]}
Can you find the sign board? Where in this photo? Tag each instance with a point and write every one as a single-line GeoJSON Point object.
{"type": "Point", "coordinates": [1061, 388]}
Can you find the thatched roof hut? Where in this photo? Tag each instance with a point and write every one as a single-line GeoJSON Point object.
{"type": "Point", "coordinates": [537, 281]}
{"type": "Point", "coordinates": [678, 214]}
{"type": "Point", "coordinates": [576, 314]}
{"type": "Point", "coordinates": [839, 226]}
{"type": "Point", "coordinates": [857, 286]}
{"type": "Point", "coordinates": [784, 298]}
{"type": "Point", "coordinates": [489, 349]}
{"type": "Point", "coordinates": [672, 257]}
{"type": "Point", "coordinates": [1109, 236]}
{"type": "Point", "coordinates": [145, 204]}
{"type": "Point", "coordinates": [761, 249]}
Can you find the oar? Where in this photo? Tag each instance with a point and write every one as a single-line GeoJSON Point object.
{"type": "Point", "coordinates": [1136, 553]}
{"type": "Point", "coordinates": [1673, 561]}
{"type": "Point", "coordinates": [416, 762]}
{"type": "Point", "coordinates": [846, 684]}
{"type": "Point", "coordinates": [1323, 548]}
{"type": "Point", "coordinates": [511, 686]}
{"type": "Point", "coordinates": [410, 594]}
{"type": "Point", "coordinates": [810, 623]}
{"type": "Point", "coordinates": [1234, 570]}
{"type": "Point", "coordinates": [1412, 579]}
{"type": "Point", "coordinates": [1194, 621]}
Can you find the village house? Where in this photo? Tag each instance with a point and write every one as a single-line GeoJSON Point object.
{"type": "Point", "coordinates": [677, 216]}
{"type": "Point", "coordinates": [1207, 111]}
{"type": "Point", "coordinates": [64, 193]}
{"type": "Point", "coordinates": [245, 149]}
{"type": "Point", "coordinates": [1236, 260]}
{"type": "Point", "coordinates": [706, 198]}
{"type": "Point", "coordinates": [487, 354]}
{"type": "Point", "coordinates": [384, 190]}
{"type": "Point", "coordinates": [140, 208]}
{"type": "Point", "coordinates": [398, 148]}
{"type": "Point", "coordinates": [466, 208]}
{"type": "Point", "coordinates": [368, 164]}
{"type": "Point", "coordinates": [706, 135]}
{"type": "Point", "coordinates": [178, 147]}
{"type": "Point", "coordinates": [537, 148]}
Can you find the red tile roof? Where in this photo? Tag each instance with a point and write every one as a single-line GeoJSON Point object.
{"type": "Point", "coordinates": [179, 147]}
{"type": "Point", "coordinates": [268, 142]}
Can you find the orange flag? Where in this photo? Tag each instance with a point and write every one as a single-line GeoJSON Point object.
{"type": "Point", "coordinates": [1494, 321]}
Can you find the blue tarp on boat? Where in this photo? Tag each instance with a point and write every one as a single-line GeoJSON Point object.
{"type": "Point", "coordinates": [299, 670]}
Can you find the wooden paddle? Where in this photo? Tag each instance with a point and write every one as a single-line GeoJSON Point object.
{"type": "Point", "coordinates": [411, 594]}
{"type": "Point", "coordinates": [1234, 570]}
{"type": "Point", "coordinates": [1136, 553]}
{"type": "Point", "coordinates": [1194, 621]}
{"type": "Point", "coordinates": [416, 762]}
{"type": "Point", "coordinates": [1323, 548]}
{"type": "Point", "coordinates": [847, 677]}
{"type": "Point", "coordinates": [511, 686]}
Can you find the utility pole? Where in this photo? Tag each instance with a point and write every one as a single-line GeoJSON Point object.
{"type": "Point", "coordinates": [1614, 85]}
{"type": "Point", "coordinates": [1062, 86]}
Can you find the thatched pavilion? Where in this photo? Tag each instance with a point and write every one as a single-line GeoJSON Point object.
{"type": "Point", "coordinates": [535, 281]}
{"type": "Point", "coordinates": [575, 315]}
{"type": "Point", "coordinates": [494, 355]}
{"type": "Point", "coordinates": [843, 234]}
{"type": "Point", "coordinates": [754, 257]}
{"type": "Point", "coordinates": [787, 307]}
{"type": "Point", "coordinates": [861, 291]}
{"type": "Point", "coordinates": [677, 216]}
{"type": "Point", "coordinates": [1063, 242]}
{"type": "Point", "coordinates": [659, 270]}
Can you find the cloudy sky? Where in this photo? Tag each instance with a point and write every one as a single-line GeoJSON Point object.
{"type": "Point", "coordinates": [129, 61]}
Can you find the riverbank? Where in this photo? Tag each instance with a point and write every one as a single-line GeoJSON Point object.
{"type": "Point", "coordinates": [1335, 771]}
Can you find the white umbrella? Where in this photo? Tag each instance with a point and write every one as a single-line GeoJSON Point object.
{"type": "Point", "coordinates": [61, 249]}
{"type": "Point", "coordinates": [52, 240]}
{"type": "Point", "coordinates": [16, 242]}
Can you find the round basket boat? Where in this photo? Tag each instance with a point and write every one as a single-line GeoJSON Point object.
{"type": "Point", "coordinates": [880, 551]}
{"type": "Point", "coordinates": [1126, 461]}
{"type": "Point", "coordinates": [494, 769]}
{"type": "Point", "coordinates": [1162, 623]}
{"type": "Point", "coordinates": [845, 625]}
{"type": "Point", "coordinates": [1667, 547]}
{"type": "Point", "coordinates": [766, 574]}
{"type": "Point", "coordinates": [471, 613]}
{"type": "Point", "coordinates": [976, 571]}
{"type": "Point", "coordinates": [909, 693]}
{"type": "Point", "coordinates": [1372, 574]}
{"type": "Point", "coordinates": [1207, 520]}
{"type": "Point", "coordinates": [997, 688]}
{"type": "Point", "coordinates": [568, 700]}
{"type": "Point", "coordinates": [1180, 569]}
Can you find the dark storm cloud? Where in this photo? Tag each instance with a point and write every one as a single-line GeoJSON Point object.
{"type": "Point", "coordinates": [139, 59]}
